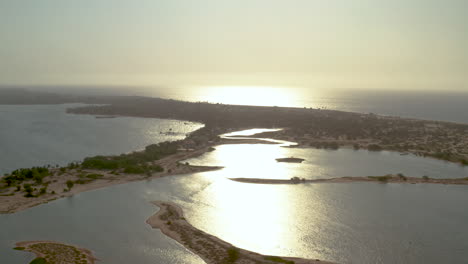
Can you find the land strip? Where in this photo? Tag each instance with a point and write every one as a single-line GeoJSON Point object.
{"type": "Point", "coordinates": [398, 178]}
{"type": "Point", "coordinates": [49, 252]}
{"type": "Point", "coordinates": [170, 220]}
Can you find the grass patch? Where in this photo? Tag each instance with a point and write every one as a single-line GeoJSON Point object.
{"type": "Point", "coordinates": [94, 176]}
{"type": "Point", "coordinates": [19, 248]}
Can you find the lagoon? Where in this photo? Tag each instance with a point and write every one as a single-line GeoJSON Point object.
{"type": "Point", "coordinates": [342, 222]}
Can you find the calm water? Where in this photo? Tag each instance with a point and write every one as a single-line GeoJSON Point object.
{"type": "Point", "coordinates": [346, 223]}
{"type": "Point", "coordinates": [258, 161]}
{"type": "Point", "coordinates": [44, 134]}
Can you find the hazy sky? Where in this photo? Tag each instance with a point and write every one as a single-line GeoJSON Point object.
{"type": "Point", "coordinates": [396, 44]}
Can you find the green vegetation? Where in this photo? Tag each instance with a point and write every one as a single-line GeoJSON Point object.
{"type": "Point", "coordinates": [381, 178]}
{"type": "Point", "coordinates": [28, 189]}
{"type": "Point", "coordinates": [38, 261]}
{"type": "Point", "coordinates": [233, 255]}
{"type": "Point", "coordinates": [133, 163]}
{"type": "Point", "coordinates": [278, 259]}
{"type": "Point", "coordinates": [425, 177]}
{"type": "Point", "coordinates": [55, 253]}
{"type": "Point", "coordinates": [94, 176]}
{"type": "Point", "coordinates": [70, 184]}
{"type": "Point", "coordinates": [374, 147]}
{"type": "Point", "coordinates": [403, 177]}
{"type": "Point", "coordinates": [35, 174]}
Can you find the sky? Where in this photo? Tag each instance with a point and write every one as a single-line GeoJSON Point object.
{"type": "Point", "coordinates": [377, 44]}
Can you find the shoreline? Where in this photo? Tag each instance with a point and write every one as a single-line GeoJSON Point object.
{"type": "Point", "coordinates": [171, 221]}
{"type": "Point", "coordinates": [55, 252]}
{"type": "Point", "coordinates": [171, 164]}
{"type": "Point", "coordinates": [375, 179]}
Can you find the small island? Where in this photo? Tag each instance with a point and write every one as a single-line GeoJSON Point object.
{"type": "Point", "coordinates": [290, 160]}
{"type": "Point", "coordinates": [49, 252]}
{"type": "Point", "coordinates": [170, 220]}
{"type": "Point", "coordinates": [389, 178]}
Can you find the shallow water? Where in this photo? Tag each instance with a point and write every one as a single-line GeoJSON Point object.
{"type": "Point", "coordinates": [259, 161]}
{"type": "Point", "coordinates": [37, 135]}
{"type": "Point", "coordinates": [347, 223]}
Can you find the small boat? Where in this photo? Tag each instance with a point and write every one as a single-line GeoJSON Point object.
{"type": "Point", "coordinates": [290, 160]}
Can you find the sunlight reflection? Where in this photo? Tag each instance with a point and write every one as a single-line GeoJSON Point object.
{"type": "Point", "coordinates": [250, 95]}
{"type": "Point", "coordinates": [250, 132]}
{"type": "Point", "coordinates": [248, 215]}
{"type": "Point", "coordinates": [267, 219]}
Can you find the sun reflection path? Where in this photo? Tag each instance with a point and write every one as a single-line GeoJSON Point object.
{"type": "Point", "coordinates": [261, 218]}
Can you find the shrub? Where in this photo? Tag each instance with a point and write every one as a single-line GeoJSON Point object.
{"type": "Point", "coordinates": [94, 176]}
{"type": "Point", "coordinates": [233, 255]}
{"type": "Point", "coordinates": [70, 184]}
{"type": "Point", "coordinates": [381, 178]}
{"type": "Point", "coordinates": [403, 177]}
{"type": "Point", "coordinates": [43, 190]}
{"type": "Point", "coordinates": [374, 147]}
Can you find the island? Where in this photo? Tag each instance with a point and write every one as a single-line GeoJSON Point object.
{"type": "Point", "coordinates": [49, 252]}
{"type": "Point", "coordinates": [290, 160]}
{"type": "Point", "coordinates": [171, 221]}
{"type": "Point", "coordinates": [389, 178]}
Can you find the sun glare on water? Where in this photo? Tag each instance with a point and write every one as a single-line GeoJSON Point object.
{"type": "Point", "coordinates": [249, 95]}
